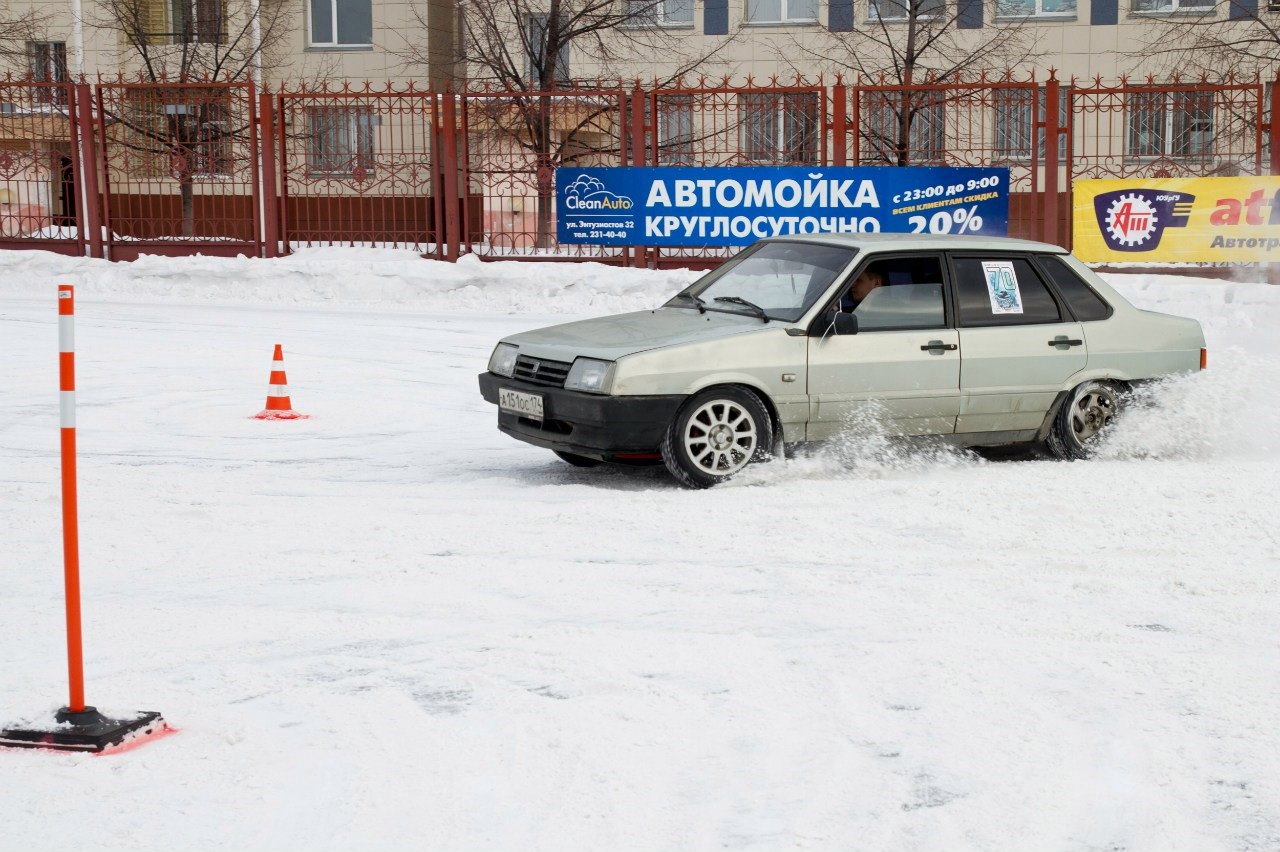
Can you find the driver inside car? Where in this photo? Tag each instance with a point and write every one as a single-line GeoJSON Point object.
{"type": "Point", "coordinates": [867, 280]}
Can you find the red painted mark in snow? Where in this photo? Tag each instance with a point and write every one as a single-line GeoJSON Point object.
{"type": "Point", "coordinates": [137, 741]}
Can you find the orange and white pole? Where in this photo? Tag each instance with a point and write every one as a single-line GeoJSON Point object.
{"type": "Point", "coordinates": [76, 727]}
{"type": "Point", "coordinates": [70, 518]}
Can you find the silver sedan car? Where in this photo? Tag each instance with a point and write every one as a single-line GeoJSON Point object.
{"type": "Point", "coordinates": [989, 342]}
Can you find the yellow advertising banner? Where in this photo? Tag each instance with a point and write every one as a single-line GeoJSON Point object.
{"type": "Point", "coordinates": [1162, 220]}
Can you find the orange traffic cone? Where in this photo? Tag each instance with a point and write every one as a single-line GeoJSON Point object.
{"type": "Point", "coordinates": [278, 407]}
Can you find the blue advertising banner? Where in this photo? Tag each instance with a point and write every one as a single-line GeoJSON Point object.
{"type": "Point", "coordinates": [734, 206]}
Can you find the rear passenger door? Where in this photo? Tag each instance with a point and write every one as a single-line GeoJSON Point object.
{"type": "Point", "coordinates": [1018, 347]}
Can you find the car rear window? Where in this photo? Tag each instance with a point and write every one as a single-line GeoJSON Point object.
{"type": "Point", "coordinates": [1002, 291]}
{"type": "Point", "coordinates": [1079, 296]}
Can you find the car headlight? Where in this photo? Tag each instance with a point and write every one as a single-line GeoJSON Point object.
{"type": "Point", "coordinates": [503, 360]}
{"type": "Point", "coordinates": [588, 374]}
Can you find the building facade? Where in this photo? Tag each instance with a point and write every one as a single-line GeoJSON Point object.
{"type": "Point", "coordinates": [422, 40]}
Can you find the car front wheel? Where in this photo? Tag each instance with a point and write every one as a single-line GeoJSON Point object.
{"type": "Point", "coordinates": [1086, 414]}
{"type": "Point", "coordinates": [716, 434]}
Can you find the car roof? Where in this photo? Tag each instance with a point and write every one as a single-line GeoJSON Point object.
{"type": "Point", "coordinates": [922, 242]}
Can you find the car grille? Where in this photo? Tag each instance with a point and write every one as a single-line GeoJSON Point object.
{"type": "Point", "coordinates": [537, 371]}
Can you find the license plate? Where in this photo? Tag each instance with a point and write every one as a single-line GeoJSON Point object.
{"type": "Point", "coordinates": [524, 404]}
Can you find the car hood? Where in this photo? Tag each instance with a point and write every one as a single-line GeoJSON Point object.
{"type": "Point", "coordinates": [612, 337]}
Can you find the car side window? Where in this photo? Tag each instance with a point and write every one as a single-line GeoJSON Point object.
{"type": "Point", "coordinates": [1001, 291]}
{"type": "Point", "coordinates": [902, 306]}
{"type": "Point", "coordinates": [896, 293]}
{"type": "Point", "coordinates": [1085, 304]}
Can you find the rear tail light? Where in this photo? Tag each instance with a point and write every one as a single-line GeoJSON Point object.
{"type": "Point", "coordinates": [1204, 359]}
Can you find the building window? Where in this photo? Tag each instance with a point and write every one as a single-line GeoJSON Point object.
{"type": "Point", "coordinates": [782, 128]}
{"type": "Point", "coordinates": [184, 21]}
{"type": "Point", "coordinates": [211, 145]}
{"type": "Point", "coordinates": [341, 23]}
{"type": "Point", "coordinates": [1169, 124]}
{"type": "Point", "coordinates": [182, 140]}
{"type": "Point", "coordinates": [901, 10]}
{"type": "Point", "coordinates": [340, 141]}
{"type": "Point", "coordinates": [1035, 8]}
{"type": "Point", "coordinates": [1015, 127]}
{"type": "Point", "coordinates": [1173, 6]}
{"type": "Point", "coordinates": [660, 13]}
{"type": "Point", "coordinates": [781, 11]}
{"type": "Point", "coordinates": [48, 60]}
{"type": "Point", "coordinates": [675, 130]}
{"type": "Point", "coordinates": [883, 114]}
{"type": "Point", "coordinates": [537, 50]}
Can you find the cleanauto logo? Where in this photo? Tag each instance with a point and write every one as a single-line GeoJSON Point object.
{"type": "Point", "coordinates": [1133, 220]}
{"type": "Point", "coordinates": [588, 193]}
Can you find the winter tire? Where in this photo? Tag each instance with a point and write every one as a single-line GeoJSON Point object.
{"type": "Point", "coordinates": [715, 434]}
{"type": "Point", "coordinates": [1082, 417]}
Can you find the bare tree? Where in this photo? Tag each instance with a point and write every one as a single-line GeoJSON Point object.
{"type": "Point", "coordinates": [19, 28]}
{"type": "Point", "coordinates": [1246, 36]}
{"type": "Point", "coordinates": [186, 129]}
{"type": "Point", "coordinates": [196, 39]}
{"type": "Point", "coordinates": [908, 43]}
{"type": "Point", "coordinates": [1212, 68]}
{"type": "Point", "coordinates": [521, 50]}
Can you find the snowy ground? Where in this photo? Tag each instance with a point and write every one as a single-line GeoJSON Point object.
{"type": "Point", "coordinates": [391, 627]}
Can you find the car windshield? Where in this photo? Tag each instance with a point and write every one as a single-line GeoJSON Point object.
{"type": "Point", "coordinates": [783, 278]}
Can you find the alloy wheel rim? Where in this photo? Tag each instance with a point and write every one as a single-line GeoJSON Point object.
{"type": "Point", "coordinates": [720, 437]}
{"type": "Point", "coordinates": [1092, 412]}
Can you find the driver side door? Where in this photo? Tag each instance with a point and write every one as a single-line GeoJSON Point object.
{"type": "Point", "coordinates": [900, 373]}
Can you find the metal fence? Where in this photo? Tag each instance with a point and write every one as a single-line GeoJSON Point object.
{"type": "Point", "coordinates": [179, 167]}
{"type": "Point", "coordinates": [40, 145]}
{"type": "Point", "coordinates": [359, 167]}
{"type": "Point", "coordinates": [116, 169]}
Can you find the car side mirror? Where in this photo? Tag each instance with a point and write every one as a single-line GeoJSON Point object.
{"type": "Point", "coordinates": [845, 323]}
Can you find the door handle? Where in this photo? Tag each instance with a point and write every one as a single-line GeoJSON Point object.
{"type": "Point", "coordinates": [1063, 341]}
{"type": "Point", "coordinates": [938, 346]}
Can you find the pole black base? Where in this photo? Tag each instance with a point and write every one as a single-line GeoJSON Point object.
{"type": "Point", "coordinates": [83, 730]}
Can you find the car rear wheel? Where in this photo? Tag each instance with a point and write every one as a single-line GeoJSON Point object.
{"type": "Point", "coordinates": [716, 434]}
{"type": "Point", "coordinates": [576, 460]}
{"type": "Point", "coordinates": [1086, 414]}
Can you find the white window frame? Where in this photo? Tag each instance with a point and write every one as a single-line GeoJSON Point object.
{"type": "Point", "coordinates": [1173, 7]}
{"type": "Point", "coordinates": [675, 130]}
{"type": "Point", "coordinates": [167, 21]}
{"type": "Point", "coordinates": [535, 29]}
{"type": "Point", "coordinates": [786, 13]}
{"type": "Point", "coordinates": [213, 144]}
{"type": "Point", "coordinates": [341, 138]}
{"type": "Point", "coordinates": [671, 14]}
{"type": "Point", "coordinates": [182, 12]}
{"type": "Point", "coordinates": [1015, 10]}
{"type": "Point", "coordinates": [927, 141]}
{"type": "Point", "coordinates": [1012, 134]}
{"type": "Point", "coordinates": [334, 42]}
{"type": "Point", "coordinates": [164, 132]}
{"type": "Point", "coordinates": [781, 128]}
{"type": "Point", "coordinates": [927, 9]}
{"type": "Point", "coordinates": [47, 61]}
{"type": "Point", "coordinates": [1172, 130]}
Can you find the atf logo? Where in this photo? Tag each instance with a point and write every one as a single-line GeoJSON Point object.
{"type": "Point", "coordinates": [589, 193]}
{"type": "Point", "coordinates": [1131, 220]}
{"type": "Point", "coordinates": [1135, 219]}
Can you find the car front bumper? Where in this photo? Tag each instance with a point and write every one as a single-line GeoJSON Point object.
{"type": "Point", "coordinates": [586, 424]}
